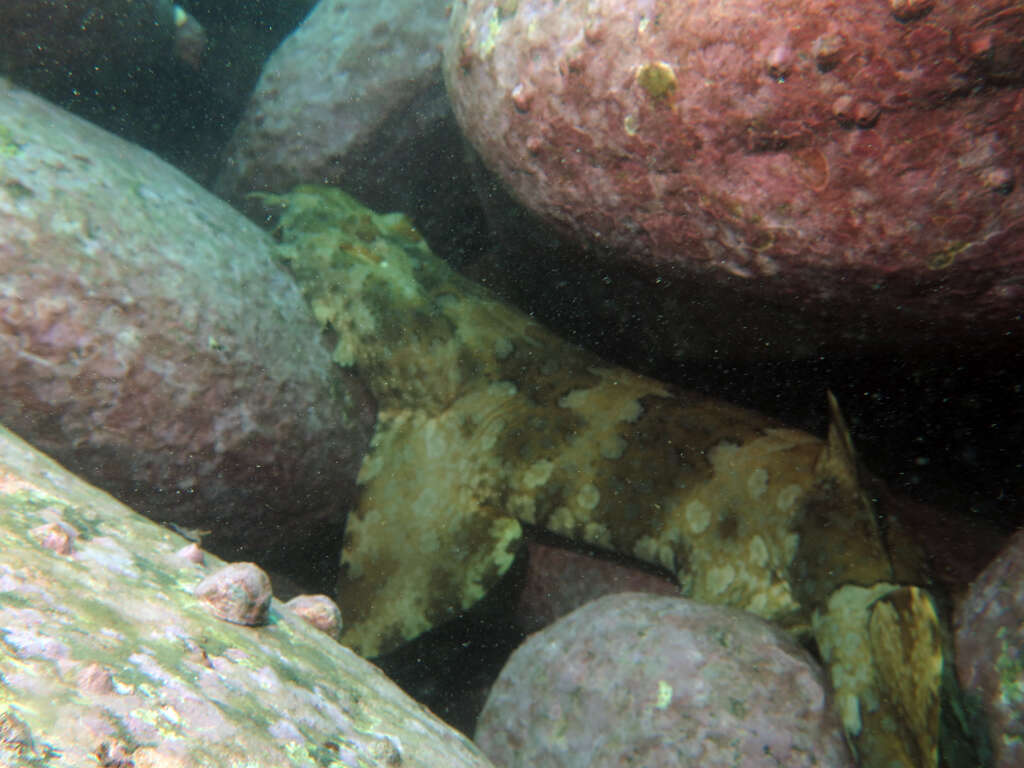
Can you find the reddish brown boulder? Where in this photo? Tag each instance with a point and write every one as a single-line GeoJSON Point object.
{"type": "Point", "coordinates": [847, 173]}
{"type": "Point", "coordinates": [149, 341]}
{"type": "Point", "coordinates": [559, 580]}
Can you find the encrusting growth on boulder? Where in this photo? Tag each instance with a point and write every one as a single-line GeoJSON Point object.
{"type": "Point", "coordinates": [488, 421]}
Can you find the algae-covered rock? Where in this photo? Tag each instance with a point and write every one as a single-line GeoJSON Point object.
{"type": "Point", "coordinates": [488, 422]}
{"type": "Point", "coordinates": [107, 657]}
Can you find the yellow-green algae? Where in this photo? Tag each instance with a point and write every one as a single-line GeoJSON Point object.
{"type": "Point", "coordinates": [657, 78]}
{"type": "Point", "coordinates": [188, 688]}
{"type": "Point", "coordinates": [488, 421]}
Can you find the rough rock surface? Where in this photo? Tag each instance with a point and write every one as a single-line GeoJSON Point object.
{"type": "Point", "coordinates": [106, 654]}
{"type": "Point", "coordinates": [149, 342]}
{"type": "Point", "coordinates": [559, 580]}
{"type": "Point", "coordinates": [635, 679]}
{"type": "Point", "coordinates": [846, 173]}
{"type": "Point", "coordinates": [990, 649]}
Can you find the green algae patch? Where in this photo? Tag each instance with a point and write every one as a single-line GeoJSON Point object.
{"type": "Point", "coordinates": [8, 146]}
{"type": "Point", "coordinates": [657, 79]}
{"type": "Point", "coordinates": [1010, 666]}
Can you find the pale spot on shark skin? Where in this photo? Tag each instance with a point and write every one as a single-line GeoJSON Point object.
{"type": "Point", "coordinates": [790, 545]}
{"type": "Point", "coordinates": [562, 521]}
{"type": "Point", "coordinates": [613, 447]}
{"type": "Point", "coordinates": [429, 542]}
{"type": "Point", "coordinates": [522, 506]}
{"type": "Point", "coordinates": [588, 497]}
{"type": "Point", "coordinates": [537, 474]}
{"type": "Point", "coordinates": [503, 348]}
{"type": "Point", "coordinates": [364, 321]}
{"type": "Point", "coordinates": [631, 411]}
{"type": "Point", "coordinates": [667, 557]}
{"type": "Point", "coordinates": [503, 389]}
{"type": "Point", "coordinates": [758, 551]}
{"type": "Point", "coordinates": [788, 497]}
{"type": "Point", "coordinates": [435, 439]}
{"type": "Point", "coordinates": [597, 534]}
{"type": "Point", "coordinates": [758, 603]}
{"type": "Point", "coordinates": [490, 435]}
{"type": "Point", "coordinates": [646, 549]}
{"type": "Point", "coordinates": [776, 600]}
{"type": "Point", "coordinates": [722, 454]}
{"type": "Point", "coordinates": [757, 483]}
{"type": "Point", "coordinates": [575, 398]}
{"type": "Point", "coordinates": [698, 516]}
{"type": "Point", "coordinates": [720, 578]}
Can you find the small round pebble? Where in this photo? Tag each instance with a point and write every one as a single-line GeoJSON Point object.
{"type": "Point", "coordinates": [193, 553]}
{"type": "Point", "coordinates": [59, 537]}
{"type": "Point", "coordinates": [239, 593]}
{"type": "Point", "coordinates": [94, 678]}
{"type": "Point", "coordinates": [320, 611]}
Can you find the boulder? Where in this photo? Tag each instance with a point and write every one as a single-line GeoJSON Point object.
{"type": "Point", "coordinates": [108, 657]}
{"type": "Point", "coordinates": [799, 176]}
{"type": "Point", "coordinates": [559, 580]}
{"type": "Point", "coordinates": [989, 627]}
{"type": "Point", "coordinates": [355, 98]}
{"type": "Point", "coordinates": [149, 341]}
{"type": "Point", "coordinates": [661, 682]}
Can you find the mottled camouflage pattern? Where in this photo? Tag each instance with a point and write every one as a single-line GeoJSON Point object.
{"type": "Point", "coordinates": [487, 421]}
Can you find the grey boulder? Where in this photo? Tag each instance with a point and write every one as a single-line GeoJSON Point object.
{"type": "Point", "coordinates": [149, 341]}
{"type": "Point", "coordinates": [662, 682]}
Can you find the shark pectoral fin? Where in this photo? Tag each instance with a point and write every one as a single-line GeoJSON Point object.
{"type": "Point", "coordinates": [906, 648]}
{"type": "Point", "coordinates": [392, 595]}
{"type": "Point", "coordinates": [890, 665]}
{"type": "Point", "coordinates": [427, 540]}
